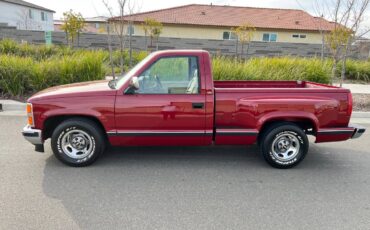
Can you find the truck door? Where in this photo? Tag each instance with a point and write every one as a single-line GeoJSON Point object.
{"type": "Point", "coordinates": [168, 108]}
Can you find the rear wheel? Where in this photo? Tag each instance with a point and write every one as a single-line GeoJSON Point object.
{"type": "Point", "coordinates": [284, 145]}
{"type": "Point", "coordinates": [77, 142]}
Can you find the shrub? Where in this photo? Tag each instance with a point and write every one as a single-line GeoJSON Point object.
{"type": "Point", "coordinates": [278, 68]}
{"type": "Point", "coordinates": [15, 75]}
{"type": "Point", "coordinates": [22, 75]}
{"type": "Point", "coordinates": [357, 70]}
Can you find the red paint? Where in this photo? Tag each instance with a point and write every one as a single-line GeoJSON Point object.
{"type": "Point", "coordinates": [237, 109]}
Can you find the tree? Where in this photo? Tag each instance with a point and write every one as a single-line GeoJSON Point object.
{"type": "Point", "coordinates": [245, 35]}
{"type": "Point", "coordinates": [347, 18]}
{"type": "Point", "coordinates": [337, 41]}
{"type": "Point", "coordinates": [322, 8]}
{"type": "Point", "coordinates": [72, 26]}
{"type": "Point", "coordinates": [153, 28]}
{"type": "Point", "coordinates": [133, 7]}
{"type": "Point", "coordinates": [118, 24]}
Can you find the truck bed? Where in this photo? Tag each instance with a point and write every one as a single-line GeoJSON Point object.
{"type": "Point", "coordinates": [270, 84]}
{"type": "Point", "coordinates": [245, 105]}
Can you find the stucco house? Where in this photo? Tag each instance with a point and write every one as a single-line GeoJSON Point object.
{"type": "Point", "coordinates": [216, 22]}
{"type": "Point", "coordinates": [26, 16]}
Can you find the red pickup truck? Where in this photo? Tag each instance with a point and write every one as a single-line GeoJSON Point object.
{"type": "Point", "coordinates": [170, 98]}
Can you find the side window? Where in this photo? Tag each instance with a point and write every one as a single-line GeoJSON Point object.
{"type": "Point", "coordinates": [269, 37]}
{"type": "Point", "coordinates": [227, 35]}
{"type": "Point", "coordinates": [171, 75]}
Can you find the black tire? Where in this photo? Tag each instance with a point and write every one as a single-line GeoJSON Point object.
{"type": "Point", "coordinates": [94, 138]}
{"type": "Point", "coordinates": [276, 142]}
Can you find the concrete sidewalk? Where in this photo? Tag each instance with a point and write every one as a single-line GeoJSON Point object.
{"type": "Point", "coordinates": [11, 105]}
{"type": "Point", "coordinates": [357, 88]}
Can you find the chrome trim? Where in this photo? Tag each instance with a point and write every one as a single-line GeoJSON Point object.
{"type": "Point", "coordinates": [34, 136]}
{"type": "Point", "coordinates": [334, 130]}
{"type": "Point", "coordinates": [156, 132]}
{"type": "Point", "coordinates": [247, 132]}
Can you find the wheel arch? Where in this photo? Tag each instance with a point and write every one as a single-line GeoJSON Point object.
{"type": "Point", "coordinates": [52, 122]}
{"type": "Point", "coordinates": [307, 124]}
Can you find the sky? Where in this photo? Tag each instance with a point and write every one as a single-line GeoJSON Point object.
{"type": "Point", "coordinates": [91, 8]}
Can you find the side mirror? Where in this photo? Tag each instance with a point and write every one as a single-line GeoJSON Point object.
{"type": "Point", "coordinates": [135, 83]}
{"type": "Point", "coordinates": [133, 86]}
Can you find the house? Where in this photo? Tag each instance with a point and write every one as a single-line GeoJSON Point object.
{"type": "Point", "coordinates": [25, 16]}
{"type": "Point", "coordinates": [92, 25]}
{"type": "Point", "coordinates": [214, 22]}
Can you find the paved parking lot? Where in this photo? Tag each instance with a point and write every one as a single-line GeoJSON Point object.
{"type": "Point", "coordinates": [183, 188]}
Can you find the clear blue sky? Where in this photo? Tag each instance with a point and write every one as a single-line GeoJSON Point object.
{"type": "Point", "coordinates": [90, 8]}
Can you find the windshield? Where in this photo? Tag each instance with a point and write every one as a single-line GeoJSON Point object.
{"type": "Point", "coordinates": [121, 81]}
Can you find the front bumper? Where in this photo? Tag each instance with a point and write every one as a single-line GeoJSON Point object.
{"type": "Point", "coordinates": [34, 136]}
{"type": "Point", "coordinates": [359, 130]}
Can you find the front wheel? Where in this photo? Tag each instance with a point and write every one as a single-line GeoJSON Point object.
{"type": "Point", "coordinates": [77, 142]}
{"type": "Point", "coordinates": [284, 145]}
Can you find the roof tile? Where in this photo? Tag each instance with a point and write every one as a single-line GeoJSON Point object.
{"type": "Point", "coordinates": [233, 16]}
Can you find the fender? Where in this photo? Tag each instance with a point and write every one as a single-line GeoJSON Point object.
{"type": "Point", "coordinates": [287, 116]}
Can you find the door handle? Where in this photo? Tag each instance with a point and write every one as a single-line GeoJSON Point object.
{"type": "Point", "coordinates": [198, 105]}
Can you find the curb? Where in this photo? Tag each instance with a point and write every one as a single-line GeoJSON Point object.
{"type": "Point", "coordinates": [360, 115]}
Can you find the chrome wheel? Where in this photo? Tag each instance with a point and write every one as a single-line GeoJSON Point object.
{"type": "Point", "coordinates": [77, 144]}
{"type": "Point", "coordinates": [285, 147]}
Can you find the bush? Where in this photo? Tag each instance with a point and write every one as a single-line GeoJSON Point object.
{"type": "Point", "coordinates": [285, 68]}
{"type": "Point", "coordinates": [357, 70]}
{"type": "Point", "coordinates": [15, 75]}
{"type": "Point", "coordinates": [36, 52]}
{"type": "Point", "coordinates": [20, 76]}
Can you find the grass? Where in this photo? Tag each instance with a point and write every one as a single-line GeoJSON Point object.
{"type": "Point", "coordinates": [278, 68]}
{"type": "Point", "coordinates": [20, 76]}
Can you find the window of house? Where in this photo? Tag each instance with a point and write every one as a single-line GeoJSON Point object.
{"type": "Point", "coordinates": [30, 14]}
{"type": "Point", "coordinates": [269, 37]}
{"type": "Point", "coordinates": [228, 35]}
{"type": "Point", "coordinates": [97, 25]}
{"type": "Point", "coordinates": [44, 16]}
{"type": "Point", "coordinates": [299, 36]}
{"type": "Point", "coordinates": [130, 30]}
{"type": "Point", "coordinates": [171, 75]}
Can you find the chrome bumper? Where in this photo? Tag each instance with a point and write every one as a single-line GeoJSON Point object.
{"type": "Point", "coordinates": [359, 130]}
{"type": "Point", "coordinates": [32, 135]}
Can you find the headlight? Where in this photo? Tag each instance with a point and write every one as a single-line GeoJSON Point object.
{"type": "Point", "coordinates": [29, 110]}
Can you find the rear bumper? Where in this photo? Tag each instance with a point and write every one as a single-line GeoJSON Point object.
{"type": "Point", "coordinates": [339, 134]}
{"type": "Point", "coordinates": [34, 136]}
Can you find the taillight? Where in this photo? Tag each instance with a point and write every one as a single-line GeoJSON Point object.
{"type": "Point", "coordinates": [29, 110]}
{"type": "Point", "coordinates": [350, 104]}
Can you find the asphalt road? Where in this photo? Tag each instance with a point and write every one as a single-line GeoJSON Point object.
{"type": "Point", "coordinates": [183, 188]}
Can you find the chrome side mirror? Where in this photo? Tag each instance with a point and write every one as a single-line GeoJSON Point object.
{"type": "Point", "coordinates": [133, 86]}
{"type": "Point", "coordinates": [135, 83]}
